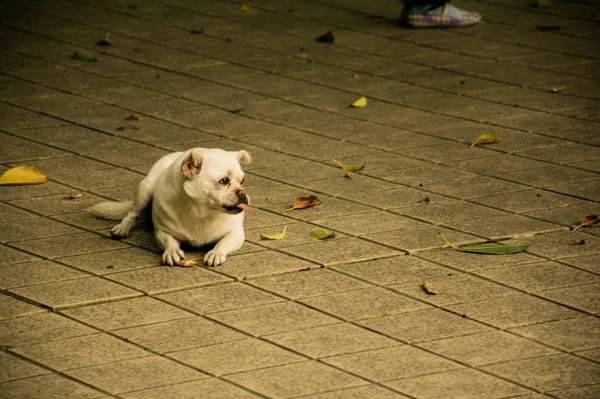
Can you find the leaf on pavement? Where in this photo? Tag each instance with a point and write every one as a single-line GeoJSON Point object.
{"type": "Point", "coordinates": [558, 89]}
{"type": "Point", "coordinates": [244, 8]}
{"type": "Point", "coordinates": [361, 102]}
{"type": "Point", "coordinates": [491, 248]}
{"type": "Point", "coordinates": [486, 139]}
{"type": "Point", "coordinates": [428, 288]}
{"type": "Point", "coordinates": [276, 236]}
{"type": "Point", "coordinates": [73, 196]}
{"type": "Point", "coordinates": [321, 234]}
{"type": "Point", "coordinates": [133, 118]}
{"type": "Point", "coordinates": [348, 168]}
{"type": "Point", "coordinates": [305, 202]}
{"type": "Point", "coordinates": [588, 221]}
{"type": "Point", "coordinates": [79, 56]}
{"type": "Point", "coordinates": [186, 262]}
{"type": "Point", "coordinates": [106, 41]}
{"type": "Point", "coordinates": [326, 37]}
{"type": "Point", "coordinates": [22, 175]}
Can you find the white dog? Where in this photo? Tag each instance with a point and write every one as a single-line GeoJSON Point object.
{"type": "Point", "coordinates": [197, 197]}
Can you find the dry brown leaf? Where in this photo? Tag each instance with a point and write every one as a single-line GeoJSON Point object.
{"type": "Point", "coordinates": [305, 202]}
{"type": "Point", "coordinates": [558, 89]}
{"type": "Point", "coordinates": [186, 262]}
{"type": "Point", "coordinates": [326, 37]}
{"type": "Point", "coordinates": [588, 220]}
{"type": "Point", "coordinates": [355, 76]}
{"type": "Point", "coordinates": [22, 175]}
{"type": "Point", "coordinates": [425, 200]}
{"type": "Point", "coordinates": [429, 288]}
{"type": "Point", "coordinates": [75, 196]}
{"type": "Point", "coordinates": [133, 118]}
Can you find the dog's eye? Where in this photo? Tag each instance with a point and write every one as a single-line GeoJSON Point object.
{"type": "Point", "coordinates": [224, 181]}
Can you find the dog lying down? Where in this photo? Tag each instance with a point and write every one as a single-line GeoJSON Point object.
{"type": "Point", "coordinates": [197, 198]}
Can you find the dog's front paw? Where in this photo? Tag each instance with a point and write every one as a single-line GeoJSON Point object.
{"type": "Point", "coordinates": [214, 258]}
{"type": "Point", "coordinates": [172, 256]}
{"type": "Point", "coordinates": [121, 230]}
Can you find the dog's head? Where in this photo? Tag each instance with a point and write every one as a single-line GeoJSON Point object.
{"type": "Point", "coordinates": [214, 178]}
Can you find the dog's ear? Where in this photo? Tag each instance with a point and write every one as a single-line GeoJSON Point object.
{"type": "Point", "coordinates": [243, 157]}
{"type": "Point", "coordinates": [190, 166]}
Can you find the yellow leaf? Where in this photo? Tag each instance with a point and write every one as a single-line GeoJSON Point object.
{"type": "Point", "coordinates": [75, 196]}
{"type": "Point", "coordinates": [277, 236]}
{"type": "Point", "coordinates": [244, 8]}
{"type": "Point", "coordinates": [304, 202]}
{"type": "Point", "coordinates": [321, 234]}
{"type": "Point", "coordinates": [186, 262]}
{"type": "Point", "coordinates": [486, 139]}
{"type": "Point", "coordinates": [558, 89]}
{"type": "Point", "coordinates": [429, 288]}
{"type": "Point", "coordinates": [361, 102]}
{"type": "Point", "coordinates": [348, 168]}
{"type": "Point", "coordinates": [23, 175]}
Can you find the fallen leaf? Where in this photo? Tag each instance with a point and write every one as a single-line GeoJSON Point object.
{"type": "Point", "coordinates": [327, 37]}
{"type": "Point", "coordinates": [75, 196]}
{"type": "Point", "coordinates": [588, 221]}
{"type": "Point", "coordinates": [355, 76]}
{"type": "Point", "coordinates": [123, 128]}
{"type": "Point", "coordinates": [79, 56]}
{"type": "Point", "coordinates": [197, 31]}
{"type": "Point", "coordinates": [133, 118]}
{"type": "Point", "coordinates": [186, 262]}
{"type": "Point", "coordinates": [486, 139]}
{"type": "Point", "coordinates": [361, 102]}
{"type": "Point", "coordinates": [244, 8]}
{"type": "Point", "coordinates": [545, 28]}
{"type": "Point", "coordinates": [425, 200]}
{"type": "Point", "coordinates": [428, 288]}
{"type": "Point", "coordinates": [321, 234]}
{"type": "Point", "coordinates": [276, 236]}
{"type": "Point", "coordinates": [22, 175]}
{"type": "Point", "coordinates": [580, 242]}
{"type": "Point", "coordinates": [491, 248]}
{"type": "Point", "coordinates": [348, 168]}
{"type": "Point", "coordinates": [348, 175]}
{"type": "Point", "coordinates": [106, 41]}
{"type": "Point", "coordinates": [558, 89]}
{"type": "Point", "coordinates": [305, 202]}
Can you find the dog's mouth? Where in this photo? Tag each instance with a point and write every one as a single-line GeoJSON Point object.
{"type": "Point", "coordinates": [237, 208]}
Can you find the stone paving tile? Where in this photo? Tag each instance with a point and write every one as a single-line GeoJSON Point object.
{"type": "Point", "coordinates": [249, 354]}
{"type": "Point", "coordinates": [220, 298]}
{"type": "Point", "coordinates": [364, 303]}
{"type": "Point", "coordinates": [112, 261]}
{"type": "Point", "coordinates": [13, 368]}
{"type": "Point", "coordinates": [582, 297]}
{"type": "Point", "coordinates": [160, 279]}
{"type": "Point", "coordinates": [528, 201]}
{"type": "Point", "coordinates": [38, 328]}
{"type": "Point", "coordinates": [369, 223]}
{"type": "Point", "coordinates": [263, 263]}
{"type": "Point", "coordinates": [480, 186]}
{"type": "Point", "coordinates": [48, 386]}
{"type": "Point", "coordinates": [293, 380]}
{"type": "Point", "coordinates": [392, 363]}
{"type": "Point", "coordinates": [424, 325]}
{"type": "Point", "coordinates": [505, 226]}
{"type": "Point", "coordinates": [78, 292]}
{"type": "Point", "coordinates": [585, 391]}
{"type": "Point", "coordinates": [564, 244]}
{"type": "Point", "coordinates": [35, 273]}
{"type": "Point", "coordinates": [34, 191]}
{"type": "Point", "coordinates": [569, 335]}
{"type": "Point", "coordinates": [475, 263]}
{"type": "Point", "coordinates": [208, 388]}
{"type": "Point", "coordinates": [135, 374]}
{"type": "Point", "coordinates": [308, 284]}
{"type": "Point", "coordinates": [78, 352]}
{"type": "Point", "coordinates": [13, 307]}
{"type": "Point", "coordinates": [465, 383]}
{"type": "Point", "coordinates": [548, 373]}
{"type": "Point", "coordinates": [10, 213]}
{"type": "Point", "coordinates": [535, 277]}
{"type": "Point", "coordinates": [11, 256]}
{"type": "Point", "coordinates": [487, 348]}
{"type": "Point", "coordinates": [117, 315]}
{"type": "Point", "coordinates": [454, 288]}
{"type": "Point", "coordinates": [368, 391]}
{"type": "Point", "coordinates": [514, 311]}
{"type": "Point", "coordinates": [590, 263]}
{"type": "Point", "coordinates": [295, 234]}
{"type": "Point", "coordinates": [331, 340]}
{"type": "Point", "coordinates": [448, 213]}
{"type": "Point", "coordinates": [55, 247]}
{"type": "Point", "coordinates": [59, 203]}
{"type": "Point", "coordinates": [33, 227]}
{"type": "Point", "coordinates": [179, 335]}
{"type": "Point", "coordinates": [273, 318]}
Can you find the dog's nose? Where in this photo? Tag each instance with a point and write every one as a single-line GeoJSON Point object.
{"type": "Point", "coordinates": [240, 194]}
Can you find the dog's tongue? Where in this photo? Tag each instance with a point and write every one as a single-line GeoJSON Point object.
{"type": "Point", "coordinates": [243, 207]}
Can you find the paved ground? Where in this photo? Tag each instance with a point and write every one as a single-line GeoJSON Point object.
{"type": "Point", "coordinates": [83, 316]}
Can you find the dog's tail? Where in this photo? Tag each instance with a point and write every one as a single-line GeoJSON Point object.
{"type": "Point", "coordinates": [111, 210]}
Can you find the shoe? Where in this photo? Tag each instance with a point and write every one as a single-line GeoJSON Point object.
{"type": "Point", "coordinates": [443, 16]}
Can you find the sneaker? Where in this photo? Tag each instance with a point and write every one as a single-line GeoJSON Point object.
{"type": "Point", "coordinates": [442, 16]}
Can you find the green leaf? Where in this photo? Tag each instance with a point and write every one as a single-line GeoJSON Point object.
{"type": "Point", "coordinates": [486, 139]}
{"type": "Point", "coordinates": [492, 249]}
{"type": "Point", "coordinates": [84, 57]}
{"type": "Point", "coordinates": [321, 234]}
{"type": "Point", "coordinates": [276, 236]}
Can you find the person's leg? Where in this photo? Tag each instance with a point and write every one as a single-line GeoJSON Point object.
{"type": "Point", "coordinates": [436, 14]}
